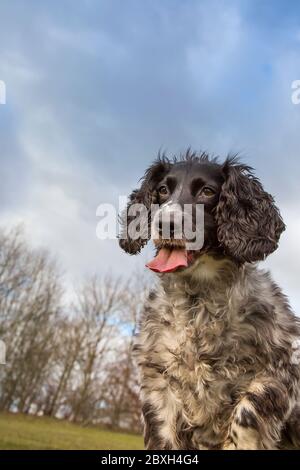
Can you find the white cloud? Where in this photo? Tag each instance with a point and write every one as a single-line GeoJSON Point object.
{"type": "Point", "coordinates": [284, 263]}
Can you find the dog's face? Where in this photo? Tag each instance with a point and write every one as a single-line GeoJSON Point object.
{"type": "Point", "coordinates": [189, 184]}
{"type": "Point", "coordinates": [240, 218]}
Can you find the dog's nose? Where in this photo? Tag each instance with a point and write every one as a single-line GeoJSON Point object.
{"type": "Point", "coordinates": [171, 225]}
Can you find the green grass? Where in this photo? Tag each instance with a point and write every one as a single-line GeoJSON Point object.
{"type": "Point", "coordinates": [29, 432]}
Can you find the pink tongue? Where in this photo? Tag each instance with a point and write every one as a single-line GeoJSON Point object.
{"type": "Point", "coordinates": [167, 260]}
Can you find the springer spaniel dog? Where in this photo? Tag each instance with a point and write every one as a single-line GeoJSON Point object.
{"type": "Point", "coordinates": [217, 341]}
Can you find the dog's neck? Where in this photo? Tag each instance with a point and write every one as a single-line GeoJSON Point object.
{"type": "Point", "coordinates": [209, 273]}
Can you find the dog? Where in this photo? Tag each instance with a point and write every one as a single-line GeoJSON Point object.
{"type": "Point", "coordinates": [217, 341]}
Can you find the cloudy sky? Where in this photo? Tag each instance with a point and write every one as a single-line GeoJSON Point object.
{"type": "Point", "coordinates": [95, 88]}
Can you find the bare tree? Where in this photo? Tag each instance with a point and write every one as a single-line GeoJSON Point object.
{"type": "Point", "coordinates": [67, 360]}
{"type": "Point", "coordinates": [99, 305]}
{"type": "Point", "coordinates": [122, 390]}
{"type": "Point", "coordinates": [30, 301]}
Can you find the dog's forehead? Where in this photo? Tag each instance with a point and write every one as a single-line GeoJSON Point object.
{"type": "Point", "coordinates": [203, 170]}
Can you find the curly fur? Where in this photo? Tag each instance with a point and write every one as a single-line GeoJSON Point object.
{"type": "Point", "coordinates": [216, 341]}
{"type": "Point", "coordinates": [249, 223]}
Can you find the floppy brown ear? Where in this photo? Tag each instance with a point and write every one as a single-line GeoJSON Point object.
{"type": "Point", "coordinates": [145, 195]}
{"type": "Point", "coordinates": [249, 223]}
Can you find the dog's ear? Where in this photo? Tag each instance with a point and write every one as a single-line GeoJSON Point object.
{"type": "Point", "coordinates": [249, 223]}
{"type": "Point", "coordinates": [145, 195]}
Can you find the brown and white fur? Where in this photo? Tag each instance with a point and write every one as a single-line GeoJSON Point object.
{"type": "Point", "coordinates": [216, 341]}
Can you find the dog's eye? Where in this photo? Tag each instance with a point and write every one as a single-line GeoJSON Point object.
{"type": "Point", "coordinates": [207, 192]}
{"type": "Point", "coordinates": [163, 190]}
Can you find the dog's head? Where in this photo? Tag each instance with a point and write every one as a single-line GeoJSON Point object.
{"type": "Point", "coordinates": [240, 218]}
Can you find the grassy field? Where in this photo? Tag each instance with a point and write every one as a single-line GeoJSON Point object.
{"type": "Point", "coordinates": [28, 432]}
